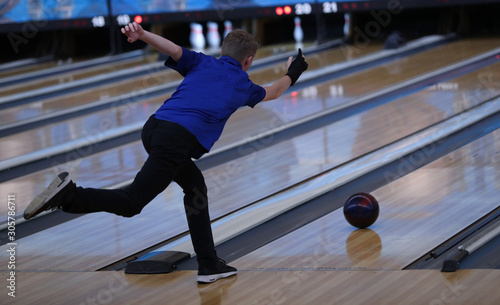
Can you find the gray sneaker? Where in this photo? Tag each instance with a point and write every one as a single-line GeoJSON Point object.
{"type": "Point", "coordinates": [52, 197]}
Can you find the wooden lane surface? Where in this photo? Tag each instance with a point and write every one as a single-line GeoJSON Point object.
{"type": "Point", "coordinates": [260, 288]}
{"type": "Point", "coordinates": [240, 126]}
{"type": "Point", "coordinates": [77, 75]}
{"type": "Point", "coordinates": [232, 185]}
{"type": "Point", "coordinates": [417, 213]}
{"type": "Point", "coordinates": [315, 99]}
{"type": "Point", "coordinates": [28, 69]}
{"type": "Point", "coordinates": [156, 75]}
{"type": "Point", "coordinates": [93, 125]}
{"type": "Point", "coordinates": [271, 115]}
{"type": "Point", "coordinates": [39, 66]}
{"type": "Point", "coordinates": [263, 51]}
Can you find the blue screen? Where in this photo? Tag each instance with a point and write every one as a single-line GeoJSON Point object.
{"type": "Point", "coordinates": [17, 11]}
{"type": "Point", "coordinates": [26, 10]}
{"type": "Point", "coordinates": [161, 6]}
{"type": "Point", "coordinates": [14, 11]}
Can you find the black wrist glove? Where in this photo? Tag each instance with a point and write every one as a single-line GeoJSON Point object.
{"type": "Point", "coordinates": [296, 68]}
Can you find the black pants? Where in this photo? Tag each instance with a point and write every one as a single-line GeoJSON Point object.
{"type": "Point", "coordinates": [171, 149]}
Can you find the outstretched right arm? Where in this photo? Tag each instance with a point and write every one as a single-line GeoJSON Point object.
{"type": "Point", "coordinates": [295, 69]}
{"type": "Point", "coordinates": [135, 31]}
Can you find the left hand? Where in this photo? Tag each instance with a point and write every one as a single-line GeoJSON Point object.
{"type": "Point", "coordinates": [296, 67]}
{"type": "Point", "coordinates": [290, 59]}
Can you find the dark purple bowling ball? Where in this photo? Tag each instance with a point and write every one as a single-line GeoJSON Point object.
{"type": "Point", "coordinates": [361, 210]}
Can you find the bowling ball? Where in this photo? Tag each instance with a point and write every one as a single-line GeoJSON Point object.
{"type": "Point", "coordinates": [361, 210]}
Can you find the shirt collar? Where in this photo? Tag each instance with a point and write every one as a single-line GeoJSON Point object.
{"type": "Point", "coordinates": [231, 61]}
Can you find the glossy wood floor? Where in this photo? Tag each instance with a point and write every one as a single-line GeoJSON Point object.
{"type": "Point", "coordinates": [68, 77]}
{"type": "Point", "coordinates": [260, 288]}
{"type": "Point", "coordinates": [417, 213]}
{"type": "Point", "coordinates": [274, 114]}
{"type": "Point", "coordinates": [108, 168]}
{"type": "Point", "coordinates": [136, 110]}
{"type": "Point", "coordinates": [330, 265]}
{"type": "Point", "coordinates": [154, 74]}
{"type": "Point", "coordinates": [228, 183]}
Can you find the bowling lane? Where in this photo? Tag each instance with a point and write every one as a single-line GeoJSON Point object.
{"type": "Point", "coordinates": [135, 111]}
{"type": "Point", "coordinates": [78, 75]}
{"type": "Point", "coordinates": [28, 69]}
{"type": "Point", "coordinates": [264, 51]}
{"type": "Point", "coordinates": [154, 74]}
{"type": "Point", "coordinates": [466, 91]}
{"type": "Point", "coordinates": [35, 67]}
{"type": "Point", "coordinates": [417, 213]}
{"type": "Point", "coordinates": [232, 185]}
{"type": "Point", "coordinates": [272, 114]}
{"type": "Point", "coordinates": [338, 91]}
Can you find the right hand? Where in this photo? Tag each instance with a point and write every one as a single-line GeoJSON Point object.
{"type": "Point", "coordinates": [133, 31]}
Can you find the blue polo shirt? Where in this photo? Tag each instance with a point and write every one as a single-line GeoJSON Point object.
{"type": "Point", "coordinates": [211, 91]}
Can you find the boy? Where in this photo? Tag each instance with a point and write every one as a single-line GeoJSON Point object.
{"type": "Point", "coordinates": [184, 128]}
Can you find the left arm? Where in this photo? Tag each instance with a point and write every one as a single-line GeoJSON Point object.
{"type": "Point", "coordinates": [277, 88]}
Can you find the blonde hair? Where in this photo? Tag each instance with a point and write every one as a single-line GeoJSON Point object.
{"type": "Point", "coordinates": [239, 45]}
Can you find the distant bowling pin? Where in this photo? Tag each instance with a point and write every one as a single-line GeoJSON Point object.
{"type": "Point", "coordinates": [196, 37]}
{"type": "Point", "coordinates": [228, 27]}
{"type": "Point", "coordinates": [346, 24]}
{"type": "Point", "coordinates": [213, 36]}
{"type": "Point", "coordinates": [298, 33]}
